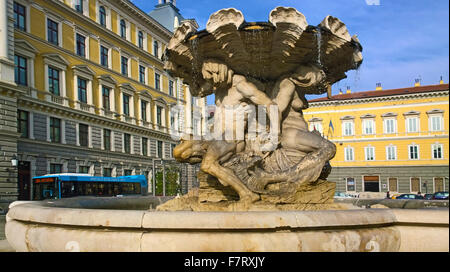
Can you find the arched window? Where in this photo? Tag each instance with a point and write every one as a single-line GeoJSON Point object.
{"type": "Point", "coordinates": [140, 39]}
{"type": "Point", "coordinates": [102, 15]}
{"type": "Point", "coordinates": [123, 28]}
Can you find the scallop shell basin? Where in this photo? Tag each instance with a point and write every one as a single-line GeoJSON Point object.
{"type": "Point", "coordinates": [263, 50]}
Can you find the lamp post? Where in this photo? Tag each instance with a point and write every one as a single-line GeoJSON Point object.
{"type": "Point", "coordinates": [14, 161]}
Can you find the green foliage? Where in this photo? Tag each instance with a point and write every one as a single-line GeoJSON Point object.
{"type": "Point", "coordinates": [172, 186]}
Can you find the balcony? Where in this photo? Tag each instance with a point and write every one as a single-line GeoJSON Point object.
{"type": "Point", "coordinates": [57, 99]}
{"type": "Point", "coordinates": [84, 107]}
{"type": "Point", "coordinates": [128, 119]}
{"type": "Point", "coordinates": [108, 113]}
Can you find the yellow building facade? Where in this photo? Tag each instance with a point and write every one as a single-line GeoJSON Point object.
{"type": "Point", "coordinates": [387, 140]}
{"type": "Point", "coordinates": [94, 97]}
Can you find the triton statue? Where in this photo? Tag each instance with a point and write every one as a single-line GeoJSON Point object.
{"type": "Point", "coordinates": [248, 164]}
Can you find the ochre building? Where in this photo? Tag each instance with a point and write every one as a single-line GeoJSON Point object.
{"type": "Point", "coordinates": [87, 92]}
{"type": "Point", "coordinates": [387, 140]}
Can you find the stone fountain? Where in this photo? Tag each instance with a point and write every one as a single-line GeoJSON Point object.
{"type": "Point", "coordinates": [263, 185]}
{"type": "Point", "coordinates": [271, 65]}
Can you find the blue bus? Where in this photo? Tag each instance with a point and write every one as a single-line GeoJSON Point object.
{"type": "Point", "coordinates": [57, 186]}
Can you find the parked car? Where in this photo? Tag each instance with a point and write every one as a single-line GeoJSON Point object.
{"type": "Point", "coordinates": [342, 195]}
{"type": "Point", "coordinates": [409, 196]}
{"type": "Point", "coordinates": [440, 196]}
{"type": "Point", "coordinates": [395, 196]}
{"type": "Point", "coordinates": [428, 196]}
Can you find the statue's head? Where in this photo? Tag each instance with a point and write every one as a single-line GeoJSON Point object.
{"type": "Point", "coordinates": [310, 78]}
{"type": "Point", "coordinates": [189, 150]}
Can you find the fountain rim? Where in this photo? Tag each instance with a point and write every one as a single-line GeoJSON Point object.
{"type": "Point", "coordinates": [39, 212]}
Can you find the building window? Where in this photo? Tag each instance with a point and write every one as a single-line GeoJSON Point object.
{"type": "Point", "coordinates": [144, 146]}
{"type": "Point", "coordinates": [156, 49]}
{"type": "Point", "coordinates": [348, 128]}
{"type": "Point", "coordinates": [391, 153]}
{"type": "Point", "coordinates": [79, 6]}
{"type": "Point", "coordinates": [195, 127]}
{"type": "Point", "coordinates": [104, 52]}
{"type": "Point", "coordinates": [314, 126]}
{"type": "Point", "coordinates": [349, 154]}
{"type": "Point", "coordinates": [123, 29]}
{"type": "Point", "coordinates": [23, 123]}
{"type": "Point", "coordinates": [392, 185]}
{"type": "Point", "coordinates": [20, 70]}
{"type": "Point", "coordinates": [102, 15]}
{"type": "Point", "coordinates": [55, 168]}
{"type": "Point", "coordinates": [173, 146]}
{"type": "Point", "coordinates": [160, 149]}
{"type": "Point", "coordinates": [369, 153]}
{"type": "Point", "coordinates": [368, 127]}
{"type": "Point", "coordinates": [144, 110]}
{"type": "Point", "coordinates": [436, 123]}
{"type": "Point", "coordinates": [127, 143]}
{"type": "Point", "coordinates": [159, 115]}
{"type": "Point", "coordinates": [83, 134]}
{"type": "Point", "coordinates": [107, 172]}
{"type": "Point", "coordinates": [436, 150]}
{"type": "Point", "coordinates": [107, 139]}
{"type": "Point", "coordinates": [157, 81]}
{"type": "Point", "coordinates": [52, 32]}
{"type": "Point", "coordinates": [126, 104]}
{"type": "Point", "coordinates": [142, 74]}
{"type": "Point", "coordinates": [82, 169]}
{"type": "Point", "coordinates": [413, 151]}
{"type": "Point", "coordinates": [82, 90]}
{"type": "Point", "coordinates": [171, 93]}
{"type": "Point", "coordinates": [106, 99]}
{"type": "Point", "coordinates": [390, 126]}
{"type": "Point", "coordinates": [415, 184]}
{"type": "Point", "coordinates": [53, 81]}
{"type": "Point", "coordinates": [438, 184]}
{"type": "Point", "coordinates": [55, 130]}
{"type": "Point", "coordinates": [81, 45]}
{"type": "Point", "coordinates": [124, 66]}
{"type": "Point", "coordinates": [19, 16]}
{"type": "Point", "coordinates": [351, 185]}
{"type": "Point", "coordinates": [127, 172]}
{"type": "Point", "coordinates": [412, 124]}
{"type": "Point", "coordinates": [141, 39]}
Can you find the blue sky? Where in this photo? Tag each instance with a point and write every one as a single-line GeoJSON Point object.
{"type": "Point", "coordinates": [402, 39]}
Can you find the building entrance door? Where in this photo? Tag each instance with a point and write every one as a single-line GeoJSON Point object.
{"type": "Point", "coordinates": [371, 183]}
{"type": "Point", "coordinates": [24, 180]}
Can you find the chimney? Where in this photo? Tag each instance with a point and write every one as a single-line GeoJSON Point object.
{"type": "Point", "coordinates": [173, 2]}
{"type": "Point", "coordinates": [416, 82]}
{"type": "Point", "coordinates": [349, 90]}
{"type": "Point", "coordinates": [379, 88]}
{"type": "Point", "coordinates": [441, 81]}
{"type": "Point", "coordinates": [340, 91]}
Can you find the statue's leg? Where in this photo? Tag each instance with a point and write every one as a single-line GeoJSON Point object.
{"type": "Point", "coordinates": [210, 165]}
{"type": "Point", "coordinates": [318, 152]}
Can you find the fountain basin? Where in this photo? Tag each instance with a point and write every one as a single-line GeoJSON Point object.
{"type": "Point", "coordinates": [55, 226]}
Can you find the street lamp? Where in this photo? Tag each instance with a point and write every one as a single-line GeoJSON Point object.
{"type": "Point", "coordinates": [14, 161]}
{"type": "Point", "coordinates": [424, 185]}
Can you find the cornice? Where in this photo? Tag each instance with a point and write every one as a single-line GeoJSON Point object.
{"type": "Point", "coordinates": [44, 106]}
{"type": "Point", "coordinates": [376, 99]}
{"type": "Point", "coordinates": [114, 155]}
{"type": "Point", "coordinates": [148, 19]}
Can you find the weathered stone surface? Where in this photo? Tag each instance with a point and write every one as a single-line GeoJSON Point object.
{"type": "Point", "coordinates": [362, 230]}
